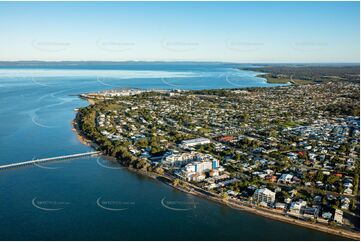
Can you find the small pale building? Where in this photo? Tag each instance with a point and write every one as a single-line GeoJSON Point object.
{"type": "Point", "coordinates": [338, 217]}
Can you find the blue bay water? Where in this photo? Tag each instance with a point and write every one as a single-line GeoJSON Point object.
{"type": "Point", "coordinates": [36, 109]}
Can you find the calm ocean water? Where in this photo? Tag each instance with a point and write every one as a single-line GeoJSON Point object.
{"type": "Point", "coordinates": [92, 199]}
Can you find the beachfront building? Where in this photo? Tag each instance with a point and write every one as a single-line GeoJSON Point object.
{"type": "Point", "coordinates": [193, 165]}
{"type": "Point", "coordinates": [338, 217]}
{"type": "Point", "coordinates": [297, 206]}
{"type": "Point", "coordinates": [198, 177]}
{"type": "Point", "coordinates": [192, 170]}
{"type": "Point", "coordinates": [264, 195]}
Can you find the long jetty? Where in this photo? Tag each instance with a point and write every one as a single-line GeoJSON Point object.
{"type": "Point", "coordinates": [44, 160]}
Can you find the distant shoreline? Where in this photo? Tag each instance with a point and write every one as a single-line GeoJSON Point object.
{"type": "Point", "coordinates": [274, 80]}
{"type": "Point", "coordinates": [264, 212]}
{"type": "Point", "coordinates": [300, 74]}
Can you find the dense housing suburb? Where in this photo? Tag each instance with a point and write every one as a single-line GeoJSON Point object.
{"type": "Point", "coordinates": [293, 150]}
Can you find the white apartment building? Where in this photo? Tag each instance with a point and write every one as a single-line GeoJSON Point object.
{"type": "Point", "coordinates": [264, 195]}
{"type": "Point", "coordinates": [203, 166]}
{"type": "Point", "coordinates": [181, 159]}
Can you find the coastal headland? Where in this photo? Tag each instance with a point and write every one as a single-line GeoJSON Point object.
{"type": "Point", "coordinates": [300, 74]}
{"type": "Point", "coordinates": [197, 151]}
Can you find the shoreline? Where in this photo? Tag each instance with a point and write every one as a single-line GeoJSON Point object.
{"type": "Point", "coordinates": [268, 80]}
{"type": "Point", "coordinates": [82, 139]}
{"type": "Point", "coordinates": [215, 198]}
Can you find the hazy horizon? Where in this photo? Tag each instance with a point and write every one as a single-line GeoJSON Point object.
{"type": "Point", "coordinates": [175, 61]}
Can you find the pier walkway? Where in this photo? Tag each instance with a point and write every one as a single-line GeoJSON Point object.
{"type": "Point", "coordinates": [57, 158]}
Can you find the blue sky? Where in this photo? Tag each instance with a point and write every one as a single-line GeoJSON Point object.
{"type": "Point", "coordinates": [196, 31]}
